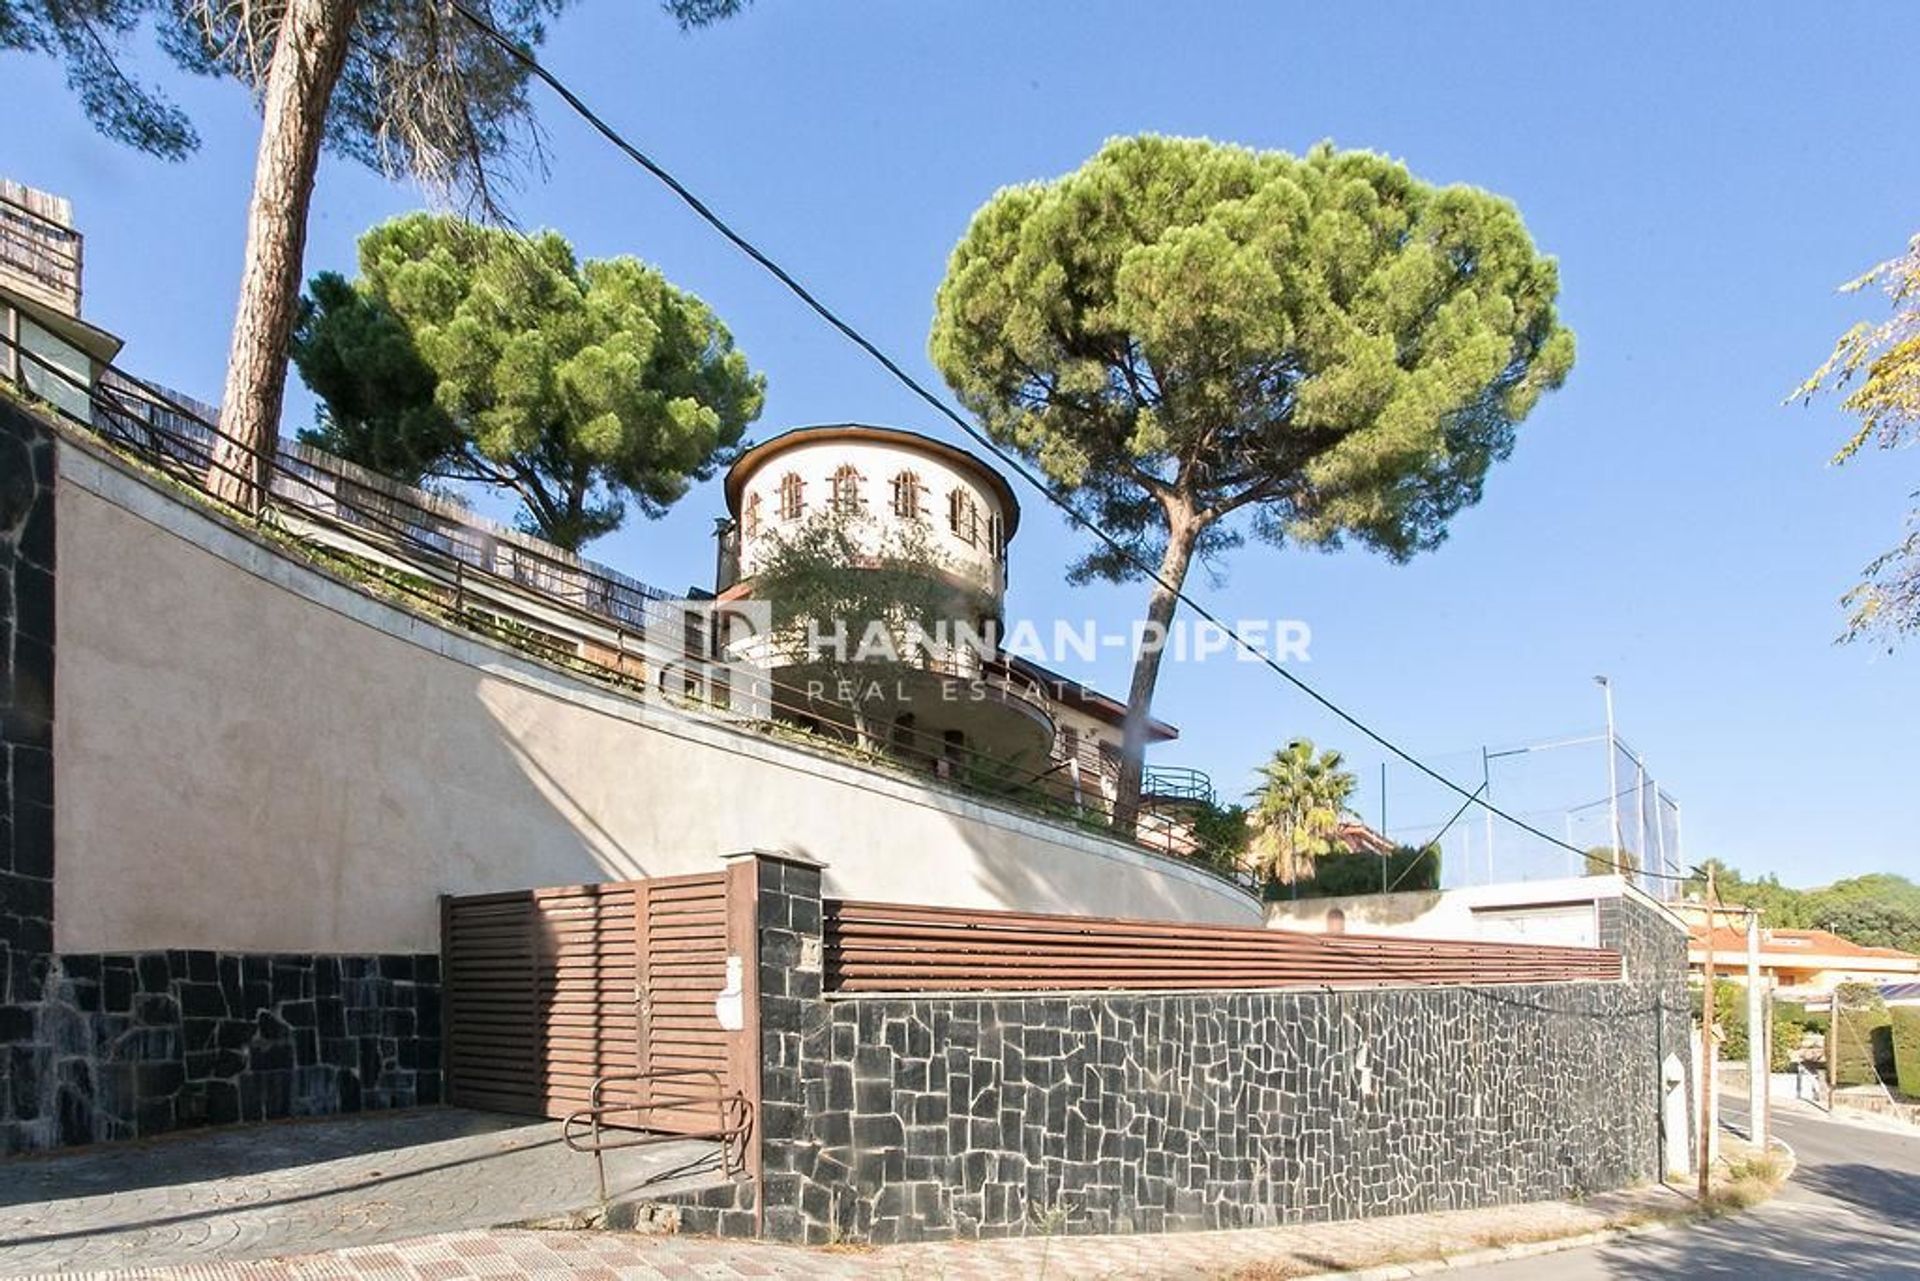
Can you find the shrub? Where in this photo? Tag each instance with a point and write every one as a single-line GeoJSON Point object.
{"type": "Point", "coordinates": [1788, 1032]}
{"type": "Point", "coordinates": [1811, 1020]}
{"type": "Point", "coordinates": [1906, 1047]}
{"type": "Point", "coordinates": [1220, 836]}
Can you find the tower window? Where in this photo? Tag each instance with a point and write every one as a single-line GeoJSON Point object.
{"type": "Point", "coordinates": [846, 490]}
{"type": "Point", "coordinates": [906, 496]}
{"type": "Point", "coordinates": [793, 499]}
{"type": "Point", "coordinates": [963, 516]}
{"type": "Point", "coordinates": [750, 517]}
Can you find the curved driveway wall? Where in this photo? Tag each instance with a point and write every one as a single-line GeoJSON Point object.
{"type": "Point", "coordinates": [266, 779]}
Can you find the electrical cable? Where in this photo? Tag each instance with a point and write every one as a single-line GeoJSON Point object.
{"type": "Point", "coordinates": [700, 208]}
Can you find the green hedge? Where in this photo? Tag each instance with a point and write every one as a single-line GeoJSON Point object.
{"type": "Point", "coordinates": [1787, 1033]}
{"type": "Point", "coordinates": [1862, 1037]}
{"type": "Point", "coordinates": [1407, 868]}
{"type": "Point", "coordinates": [1906, 1048]}
{"type": "Point", "coordinates": [1811, 1020]}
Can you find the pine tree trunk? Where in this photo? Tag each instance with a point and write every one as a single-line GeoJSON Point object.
{"type": "Point", "coordinates": [308, 55]}
{"type": "Point", "coordinates": [1183, 533]}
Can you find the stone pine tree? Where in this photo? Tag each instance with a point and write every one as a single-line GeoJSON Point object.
{"type": "Point", "coordinates": [1194, 340]}
{"type": "Point", "coordinates": [471, 353]}
{"type": "Point", "coordinates": [1877, 367]}
{"type": "Point", "coordinates": [408, 86]}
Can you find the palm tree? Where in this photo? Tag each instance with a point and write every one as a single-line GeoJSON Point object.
{"type": "Point", "coordinates": [1296, 810]}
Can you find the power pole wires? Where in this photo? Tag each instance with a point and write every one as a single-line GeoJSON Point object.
{"type": "Point", "coordinates": [525, 59]}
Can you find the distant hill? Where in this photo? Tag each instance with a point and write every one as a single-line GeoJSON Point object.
{"type": "Point", "coordinates": [1876, 910]}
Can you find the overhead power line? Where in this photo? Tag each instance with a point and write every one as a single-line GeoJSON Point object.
{"type": "Point", "coordinates": [939, 405]}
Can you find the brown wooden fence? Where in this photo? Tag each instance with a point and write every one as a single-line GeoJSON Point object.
{"type": "Point", "coordinates": [893, 947]}
{"type": "Point", "coordinates": [549, 989]}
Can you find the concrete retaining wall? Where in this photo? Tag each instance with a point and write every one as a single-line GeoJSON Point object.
{"type": "Point", "coordinates": [256, 757]}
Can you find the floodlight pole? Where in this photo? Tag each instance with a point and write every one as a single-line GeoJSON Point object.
{"type": "Point", "coordinates": [1486, 792]}
{"type": "Point", "coordinates": [1613, 769]}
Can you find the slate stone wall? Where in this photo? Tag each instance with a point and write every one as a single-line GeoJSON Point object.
{"type": "Point", "coordinates": [26, 754]}
{"type": "Point", "coordinates": [911, 1118]}
{"type": "Point", "coordinates": [139, 1044]}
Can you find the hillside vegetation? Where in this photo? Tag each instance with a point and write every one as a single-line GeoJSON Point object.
{"type": "Point", "coordinates": [1876, 910]}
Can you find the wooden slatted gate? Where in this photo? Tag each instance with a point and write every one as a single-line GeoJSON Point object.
{"type": "Point", "coordinates": [549, 989]}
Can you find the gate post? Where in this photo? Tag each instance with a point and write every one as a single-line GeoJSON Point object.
{"type": "Point", "coordinates": [774, 926]}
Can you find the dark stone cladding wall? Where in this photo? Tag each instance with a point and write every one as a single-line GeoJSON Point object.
{"type": "Point", "coordinates": [26, 748]}
{"type": "Point", "coordinates": [895, 1119]}
{"type": "Point", "coordinates": [138, 1044]}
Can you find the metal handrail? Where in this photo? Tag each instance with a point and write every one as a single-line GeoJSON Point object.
{"type": "Point", "coordinates": [311, 479]}
{"type": "Point", "coordinates": [733, 1119]}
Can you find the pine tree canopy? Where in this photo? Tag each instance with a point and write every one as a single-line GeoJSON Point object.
{"type": "Point", "coordinates": [1325, 340]}
{"type": "Point", "coordinates": [472, 353]}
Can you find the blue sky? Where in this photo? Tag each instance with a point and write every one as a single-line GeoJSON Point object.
{"type": "Point", "coordinates": [1705, 175]}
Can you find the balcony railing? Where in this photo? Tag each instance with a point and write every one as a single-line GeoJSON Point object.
{"type": "Point", "coordinates": [182, 430]}
{"type": "Point", "coordinates": [1176, 783]}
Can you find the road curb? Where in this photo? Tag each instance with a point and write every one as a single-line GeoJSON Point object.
{"type": "Point", "coordinates": [1498, 1254]}
{"type": "Point", "coordinates": [1536, 1249]}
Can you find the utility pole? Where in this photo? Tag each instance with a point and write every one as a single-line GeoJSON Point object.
{"type": "Point", "coordinates": [1833, 1044]}
{"type": "Point", "coordinates": [1707, 1050]}
{"type": "Point", "coordinates": [1613, 766]}
{"type": "Point", "coordinates": [1759, 1062]}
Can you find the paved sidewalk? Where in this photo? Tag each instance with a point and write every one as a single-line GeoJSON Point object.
{"type": "Point", "coordinates": [301, 1186]}
{"type": "Point", "coordinates": [1263, 1253]}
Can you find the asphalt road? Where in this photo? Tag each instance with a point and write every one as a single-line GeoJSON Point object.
{"type": "Point", "coordinates": [1851, 1210]}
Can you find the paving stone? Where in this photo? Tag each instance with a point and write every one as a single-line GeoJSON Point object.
{"type": "Point", "coordinates": [1180, 1257]}
{"type": "Point", "coordinates": [252, 1192]}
